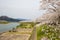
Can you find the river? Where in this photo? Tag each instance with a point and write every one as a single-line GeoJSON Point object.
{"type": "Point", "coordinates": [7, 27]}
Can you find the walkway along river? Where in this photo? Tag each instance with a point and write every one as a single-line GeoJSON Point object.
{"type": "Point", "coordinates": [34, 34]}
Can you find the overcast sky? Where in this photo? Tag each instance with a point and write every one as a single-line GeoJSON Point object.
{"type": "Point", "coordinates": [20, 8]}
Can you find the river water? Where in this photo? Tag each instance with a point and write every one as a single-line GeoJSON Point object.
{"type": "Point", "coordinates": [7, 27]}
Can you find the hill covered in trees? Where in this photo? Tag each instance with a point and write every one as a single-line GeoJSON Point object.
{"type": "Point", "coordinates": [6, 18]}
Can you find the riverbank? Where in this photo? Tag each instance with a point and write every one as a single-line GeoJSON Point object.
{"type": "Point", "coordinates": [20, 34]}
{"type": "Point", "coordinates": [22, 31]}
{"type": "Point", "coordinates": [4, 22]}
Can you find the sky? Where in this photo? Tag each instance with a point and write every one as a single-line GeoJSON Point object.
{"type": "Point", "coordinates": [28, 9]}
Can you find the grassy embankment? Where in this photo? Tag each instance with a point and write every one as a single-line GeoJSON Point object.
{"type": "Point", "coordinates": [26, 25]}
{"type": "Point", "coordinates": [4, 22]}
{"type": "Point", "coordinates": [48, 32]}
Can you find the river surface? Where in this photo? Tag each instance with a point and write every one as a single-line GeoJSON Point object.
{"type": "Point", "coordinates": [7, 27]}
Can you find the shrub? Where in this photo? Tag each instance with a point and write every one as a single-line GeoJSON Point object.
{"type": "Point", "coordinates": [51, 32]}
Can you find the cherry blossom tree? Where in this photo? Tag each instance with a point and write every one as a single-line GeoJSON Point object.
{"type": "Point", "coordinates": [50, 5]}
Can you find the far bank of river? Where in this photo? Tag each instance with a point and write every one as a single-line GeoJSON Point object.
{"type": "Point", "coordinates": [7, 27]}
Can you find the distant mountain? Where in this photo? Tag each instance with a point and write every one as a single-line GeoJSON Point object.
{"type": "Point", "coordinates": [6, 18]}
{"type": "Point", "coordinates": [23, 19]}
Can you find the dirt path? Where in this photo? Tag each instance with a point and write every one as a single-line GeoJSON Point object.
{"type": "Point", "coordinates": [15, 37]}
{"type": "Point", "coordinates": [33, 35]}
{"type": "Point", "coordinates": [22, 34]}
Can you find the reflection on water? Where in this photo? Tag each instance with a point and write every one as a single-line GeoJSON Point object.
{"type": "Point", "coordinates": [6, 27]}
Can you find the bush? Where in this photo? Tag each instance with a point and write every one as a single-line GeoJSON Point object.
{"type": "Point", "coordinates": [52, 33]}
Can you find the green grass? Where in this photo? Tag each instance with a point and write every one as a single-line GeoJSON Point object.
{"type": "Point", "coordinates": [51, 32]}
{"type": "Point", "coordinates": [26, 25]}
{"type": "Point", "coordinates": [4, 22]}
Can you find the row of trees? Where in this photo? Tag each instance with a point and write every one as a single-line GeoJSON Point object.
{"type": "Point", "coordinates": [52, 7]}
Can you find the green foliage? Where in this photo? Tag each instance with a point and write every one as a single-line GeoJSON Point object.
{"type": "Point", "coordinates": [4, 22]}
{"type": "Point", "coordinates": [26, 25]}
{"type": "Point", "coordinates": [52, 33]}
